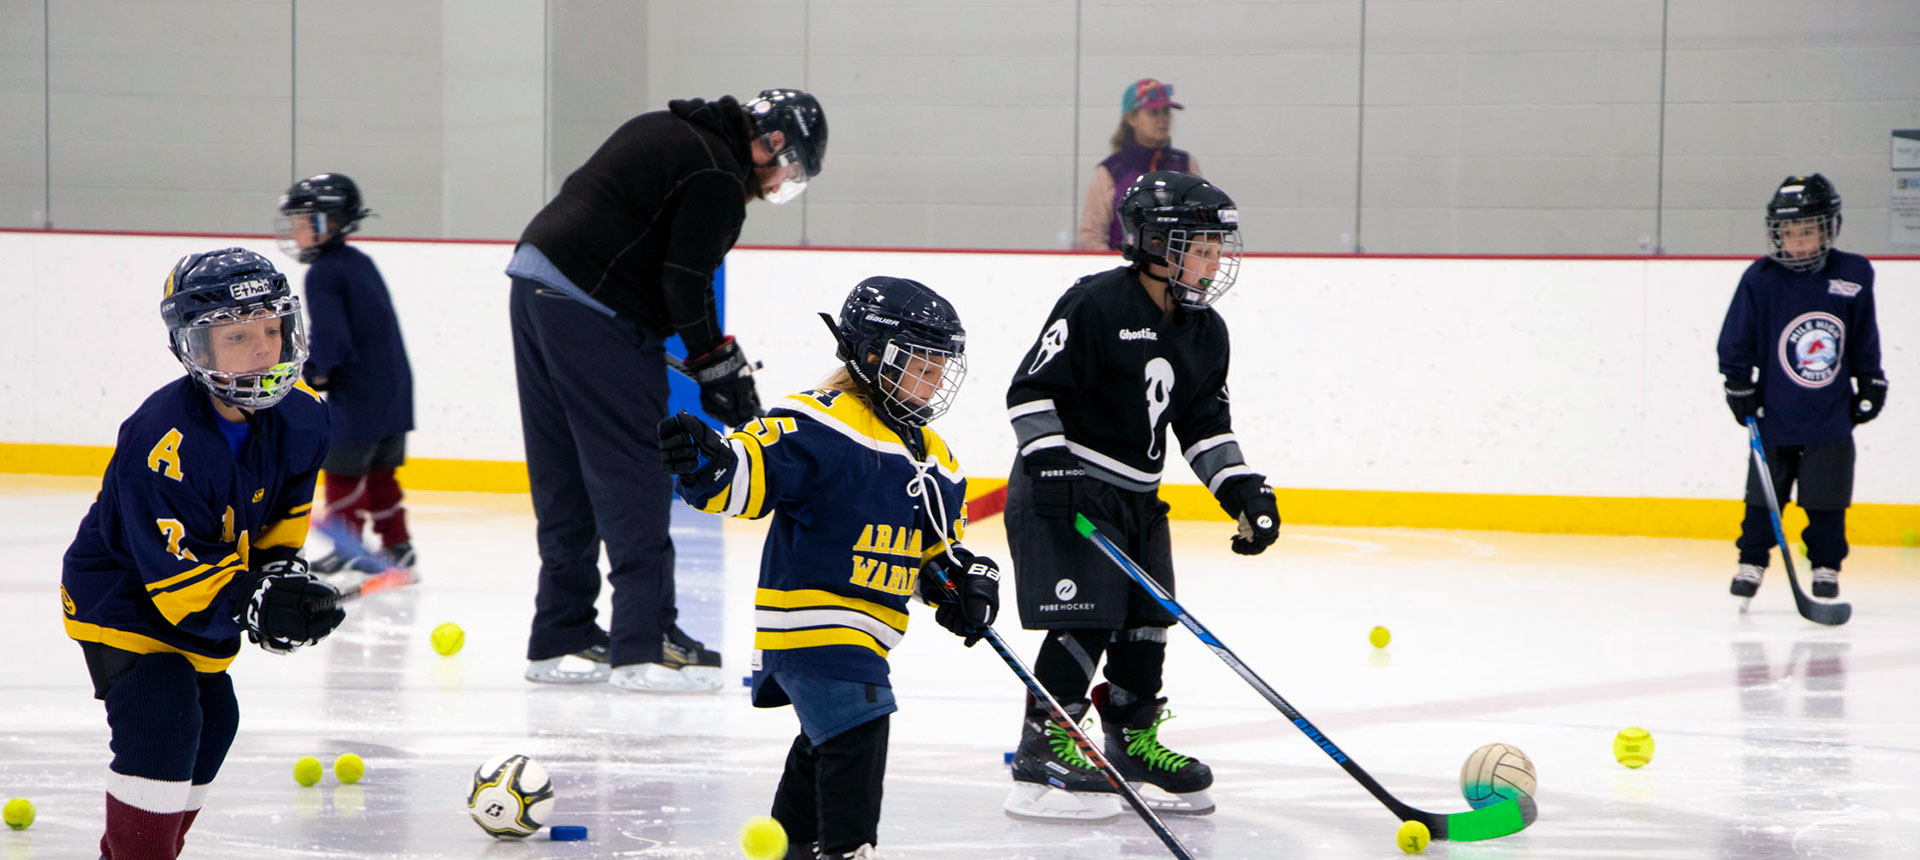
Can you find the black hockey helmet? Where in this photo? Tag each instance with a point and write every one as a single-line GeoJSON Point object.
{"type": "Point", "coordinates": [330, 202]}
{"type": "Point", "coordinates": [905, 345]}
{"type": "Point", "coordinates": [1185, 223]}
{"type": "Point", "coordinates": [1803, 198]}
{"type": "Point", "coordinates": [797, 115]}
{"type": "Point", "coordinates": [235, 324]}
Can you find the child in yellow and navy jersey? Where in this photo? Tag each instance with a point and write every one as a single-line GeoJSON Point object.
{"type": "Point", "coordinates": [868, 507]}
{"type": "Point", "coordinates": [194, 539]}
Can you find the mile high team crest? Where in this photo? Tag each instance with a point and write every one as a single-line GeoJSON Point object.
{"type": "Point", "coordinates": [1810, 349]}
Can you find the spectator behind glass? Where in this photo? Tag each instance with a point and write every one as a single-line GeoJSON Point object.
{"type": "Point", "coordinates": [1142, 144]}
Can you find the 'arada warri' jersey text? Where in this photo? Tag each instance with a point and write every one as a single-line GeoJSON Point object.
{"type": "Point", "coordinates": [847, 541]}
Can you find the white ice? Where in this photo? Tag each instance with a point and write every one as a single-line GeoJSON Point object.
{"type": "Point", "coordinates": [1776, 737]}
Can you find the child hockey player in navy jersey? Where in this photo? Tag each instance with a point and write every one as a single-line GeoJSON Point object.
{"type": "Point", "coordinates": [359, 360]}
{"type": "Point", "coordinates": [868, 507]}
{"type": "Point", "coordinates": [195, 539]}
{"type": "Point", "coordinates": [1800, 349]}
{"type": "Point", "coordinates": [1125, 354]}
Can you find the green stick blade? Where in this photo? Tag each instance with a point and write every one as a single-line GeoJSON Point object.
{"type": "Point", "coordinates": [1501, 819]}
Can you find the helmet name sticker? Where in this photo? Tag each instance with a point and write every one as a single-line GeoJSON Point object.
{"type": "Point", "coordinates": [1810, 349]}
{"type": "Point", "coordinates": [250, 289]}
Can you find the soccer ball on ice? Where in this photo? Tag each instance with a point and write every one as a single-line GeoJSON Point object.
{"type": "Point", "coordinates": [512, 797]}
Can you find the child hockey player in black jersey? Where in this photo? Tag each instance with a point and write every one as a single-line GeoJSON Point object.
{"type": "Point", "coordinates": [360, 361]}
{"type": "Point", "coordinates": [868, 508]}
{"type": "Point", "coordinates": [1124, 354]}
{"type": "Point", "coordinates": [195, 539]}
{"type": "Point", "coordinates": [1800, 349]}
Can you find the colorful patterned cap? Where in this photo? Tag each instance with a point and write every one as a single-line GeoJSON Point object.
{"type": "Point", "coordinates": [1146, 94]}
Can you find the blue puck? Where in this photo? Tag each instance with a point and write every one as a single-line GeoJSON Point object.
{"type": "Point", "coordinates": [1007, 759]}
{"type": "Point", "coordinates": [567, 833]}
{"type": "Point", "coordinates": [746, 681]}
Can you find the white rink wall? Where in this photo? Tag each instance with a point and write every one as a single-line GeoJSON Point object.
{"type": "Point", "coordinates": [1518, 376]}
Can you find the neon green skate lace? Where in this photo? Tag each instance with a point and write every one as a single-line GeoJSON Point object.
{"type": "Point", "coordinates": [1144, 744]}
{"type": "Point", "coordinates": [1063, 746]}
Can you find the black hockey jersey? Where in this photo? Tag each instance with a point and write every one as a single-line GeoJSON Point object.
{"type": "Point", "coordinates": [162, 559]}
{"type": "Point", "coordinates": [1110, 372]}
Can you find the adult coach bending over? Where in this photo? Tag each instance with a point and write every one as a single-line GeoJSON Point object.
{"type": "Point", "coordinates": [619, 261]}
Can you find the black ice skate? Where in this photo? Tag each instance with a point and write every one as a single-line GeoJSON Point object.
{"type": "Point", "coordinates": [1168, 781]}
{"type": "Point", "coordinates": [1826, 582]}
{"type": "Point", "coordinates": [1052, 781]}
{"type": "Point", "coordinates": [1747, 581]}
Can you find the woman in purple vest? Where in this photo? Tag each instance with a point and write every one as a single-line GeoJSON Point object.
{"type": "Point", "coordinates": [1142, 144]}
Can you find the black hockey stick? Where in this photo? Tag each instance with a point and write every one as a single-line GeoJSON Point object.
{"type": "Point", "coordinates": [1810, 609]}
{"type": "Point", "coordinates": [1501, 819]}
{"type": "Point", "coordinates": [1080, 739]}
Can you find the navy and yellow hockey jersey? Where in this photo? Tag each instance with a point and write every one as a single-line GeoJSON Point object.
{"type": "Point", "coordinates": [848, 536]}
{"type": "Point", "coordinates": [180, 518]}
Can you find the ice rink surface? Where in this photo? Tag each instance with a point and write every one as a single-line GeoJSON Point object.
{"type": "Point", "coordinates": [1776, 738]}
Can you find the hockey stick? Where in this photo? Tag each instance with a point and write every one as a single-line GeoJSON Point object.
{"type": "Point", "coordinates": [1501, 819]}
{"type": "Point", "coordinates": [1810, 609]}
{"type": "Point", "coordinates": [1087, 748]}
{"type": "Point", "coordinates": [389, 577]}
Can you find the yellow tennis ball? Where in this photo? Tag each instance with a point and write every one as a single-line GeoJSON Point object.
{"type": "Point", "coordinates": [1412, 837]}
{"type": "Point", "coordinates": [762, 838]}
{"type": "Point", "coordinates": [349, 768]}
{"type": "Point", "coordinates": [448, 638]}
{"type": "Point", "coordinates": [1379, 637]}
{"type": "Point", "coordinates": [1633, 747]}
{"type": "Point", "coordinates": [306, 771]}
{"type": "Point", "coordinates": [18, 813]}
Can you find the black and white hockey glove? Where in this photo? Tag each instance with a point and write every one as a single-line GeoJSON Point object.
{"type": "Point", "coordinates": [1743, 397]}
{"type": "Point", "coordinates": [1055, 473]}
{"type": "Point", "coordinates": [289, 609]}
{"type": "Point", "coordinates": [1869, 398]}
{"type": "Point", "coordinates": [1250, 500]}
{"type": "Point", "coordinates": [727, 391]}
{"type": "Point", "coordinates": [694, 451]}
{"type": "Point", "coordinates": [968, 608]}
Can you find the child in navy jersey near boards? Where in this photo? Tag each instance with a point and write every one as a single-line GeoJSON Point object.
{"type": "Point", "coordinates": [195, 539]}
{"type": "Point", "coordinates": [868, 508]}
{"type": "Point", "coordinates": [360, 361]}
{"type": "Point", "coordinates": [1800, 350]}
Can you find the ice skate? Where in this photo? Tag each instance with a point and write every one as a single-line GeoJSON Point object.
{"type": "Point", "coordinates": [1168, 781]}
{"type": "Point", "coordinates": [864, 852]}
{"type": "Point", "coordinates": [656, 678]}
{"type": "Point", "coordinates": [1052, 781]}
{"type": "Point", "coordinates": [585, 666]}
{"type": "Point", "coordinates": [1826, 582]}
{"type": "Point", "coordinates": [400, 555]}
{"type": "Point", "coordinates": [685, 653]}
{"type": "Point", "coordinates": [1746, 583]}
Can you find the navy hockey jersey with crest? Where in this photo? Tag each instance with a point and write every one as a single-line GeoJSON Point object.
{"type": "Point", "coordinates": [1809, 333]}
{"type": "Point", "coordinates": [848, 537]}
{"type": "Point", "coordinates": [162, 559]}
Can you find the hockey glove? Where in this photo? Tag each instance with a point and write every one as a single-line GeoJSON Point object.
{"type": "Point", "coordinates": [1250, 500]}
{"type": "Point", "coordinates": [1055, 472]}
{"type": "Point", "coordinates": [691, 449]}
{"type": "Point", "coordinates": [966, 596]}
{"type": "Point", "coordinates": [726, 384]}
{"type": "Point", "coordinates": [289, 609]}
{"type": "Point", "coordinates": [1743, 397]}
{"type": "Point", "coordinates": [1870, 399]}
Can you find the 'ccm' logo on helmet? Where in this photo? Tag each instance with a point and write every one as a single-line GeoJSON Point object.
{"type": "Point", "coordinates": [249, 289]}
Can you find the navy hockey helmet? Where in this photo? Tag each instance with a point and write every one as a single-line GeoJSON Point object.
{"type": "Point", "coordinates": [1803, 198]}
{"type": "Point", "coordinates": [318, 211]}
{"type": "Point", "coordinates": [905, 345]}
{"type": "Point", "coordinates": [802, 124]}
{"type": "Point", "coordinates": [1185, 223]}
{"type": "Point", "coordinates": [235, 325]}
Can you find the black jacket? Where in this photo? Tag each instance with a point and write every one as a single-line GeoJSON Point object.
{"type": "Point", "coordinates": [643, 224]}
